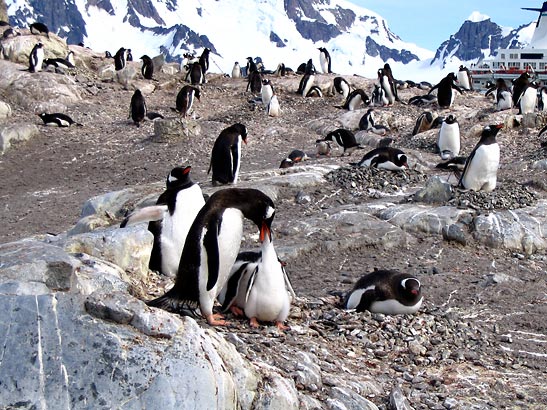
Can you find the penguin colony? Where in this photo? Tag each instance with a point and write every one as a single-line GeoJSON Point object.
{"type": "Point", "coordinates": [197, 241]}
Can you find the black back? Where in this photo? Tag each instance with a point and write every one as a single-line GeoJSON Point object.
{"type": "Point", "coordinates": [119, 59]}
{"type": "Point", "coordinates": [344, 138]}
{"type": "Point", "coordinates": [196, 74]}
{"type": "Point", "coordinates": [445, 89]}
{"type": "Point", "coordinates": [224, 158]}
{"type": "Point", "coordinates": [354, 94]}
{"type": "Point", "coordinates": [183, 98]}
{"type": "Point", "coordinates": [39, 28]}
{"type": "Point", "coordinates": [384, 154]}
{"type": "Point", "coordinates": [519, 86]}
{"type": "Point", "coordinates": [138, 107]}
{"type": "Point", "coordinates": [204, 60]}
{"type": "Point", "coordinates": [147, 68]}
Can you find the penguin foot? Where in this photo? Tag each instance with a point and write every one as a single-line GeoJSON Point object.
{"type": "Point", "coordinates": [236, 311]}
{"type": "Point", "coordinates": [254, 323]}
{"type": "Point", "coordinates": [281, 326]}
{"type": "Point", "coordinates": [216, 320]}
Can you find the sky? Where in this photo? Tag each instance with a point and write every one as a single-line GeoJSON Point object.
{"type": "Point", "coordinates": [428, 23]}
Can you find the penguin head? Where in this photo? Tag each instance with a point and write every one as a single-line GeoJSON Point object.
{"type": "Point", "coordinates": [491, 130]}
{"type": "Point", "coordinates": [411, 287]}
{"type": "Point", "coordinates": [401, 160]}
{"type": "Point", "coordinates": [286, 163]}
{"type": "Point", "coordinates": [451, 119]}
{"type": "Point", "coordinates": [197, 92]}
{"type": "Point", "coordinates": [242, 130]}
{"type": "Point", "coordinates": [178, 176]}
{"type": "Point", "coordinates": [145, 58]}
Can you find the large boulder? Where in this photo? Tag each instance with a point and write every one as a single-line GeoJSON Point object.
{"type": "Point", "coordinates": [17, 49]}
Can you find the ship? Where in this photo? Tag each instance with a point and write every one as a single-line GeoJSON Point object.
{"type": "Point", "coordinates": [510, 63]}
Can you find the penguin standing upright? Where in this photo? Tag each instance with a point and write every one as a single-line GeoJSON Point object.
{"type": "Point", "coordinates": [392, 159]}
{"type": "Point", "coordinates": [273, 109]}
{"type": "Point", "coordinates": [211, 248]}
{"type": "Point", "coordinates": [387, 87]}
{"type": "Point", "coordinates": [137, 108]}
{"type": "Point", "coordinates": [464, 78]}
{"type": "Point", "coordinates": [254, 82]}
{"type": "Point", "coordinates": [36, 58]}
{"type": "Point", "coordinates": [226, 154]}
{"type": "Point", "coordinates": [367, 120]}
{"type": "Point", "coordinates": [236, 70]}
{"type": "Point", "coordinates": [70, 58]}
{"type": "Point", "coordinates": [128, 55]}
{"type": "Point", "coordinates": [147, 68]}
{"type": "Point", "coordinates": [528, 99]}
{"type": "Point", "coordinates": [204, 60]}
{"type": "Point", "coordinates": [445, 90]}
{"type": "Point", "coordinates": [119, 59]}
{"type": "Point", "coordinates": [325, 60]}
{"type": "Point", "coordinates": [385, 291]}
{"type": "Point", "coordinates": [503, 95]}
{"type": "Point", "coordinates": [520, 84]}
{"type": "Point", "coordinates": [448, 140]}
{"type": "Point", "coordinates": [170, 219]}
{"type": "Point", "coordinates": [185, 99]}
{"type": "Point", "coordinates": [267, 92]}
{"type": "Point", "coordinates": [344, 138]}
{"type": "Point", "coordinates": [306, 83]}
{"type": "Point", "coordinates": [542, 99]}
{"type": "Point", "coordinates": [355, 99]}
{"type": "Point", "coordinates": [196, 74]}
{"type": "Point", "coordinates": [392, 82]}
{"type": "Point", "coordinates": [481, 167]}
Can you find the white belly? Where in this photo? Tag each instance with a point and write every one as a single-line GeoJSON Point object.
{"type": "Point", "coordinates": [355, 102]}
{"type": "Point", "coordinates": [267, 93]}
{"type": "Point", "coordinates": [481, 174]}
{"type": "Point", "coordinates": [394, 307]}
{"type": "Point", "coordinates": [387, 90]}
{"type": "Point", "coordinates": [463, 79]}
{"type": "Point", "coordinates": [309, 85]}
{"type": "Point", "coordinates": [528, 100]}
{"type": "Point", "coordinates": [273, 107]}
{"type": "Point", "coordinates": [449, 140]}
{"type": "Point", "coordinates": [505, 102]}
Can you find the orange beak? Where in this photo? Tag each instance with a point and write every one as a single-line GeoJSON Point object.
{"type": "Point", "coordinates": [265, 230]}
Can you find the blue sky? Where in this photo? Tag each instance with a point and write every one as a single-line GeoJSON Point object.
{"type": "Point", "coordinates": [427, 23]}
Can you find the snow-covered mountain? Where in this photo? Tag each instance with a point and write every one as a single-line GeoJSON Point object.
{"type": "Point", "coordinates": [288, 31]}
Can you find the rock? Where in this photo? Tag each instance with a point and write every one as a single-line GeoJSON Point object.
{"type": "Point", "coordinates": [435, 190]}
{"type": "Point", "coordinates": [127, 74]}
{"type": "Point", "coordinates": [541, 165]}
{"type": "Point", "coordinates": [169, 69]}
{"type": "Point", "coordinates": [455, 233]}
{"type": "Point", "coordinates": [156, 322]}
{"type": "Point", "coordinates": [16, 133]}
{"type": "Point", "coordinates": [17, 49]}
{"type": "Point", "coordinates": [351, 400]}
{"type": "Point", "coordinates": [98, 275]}
{"type": "Point", "coordinates": [5, 110]}
{"type": "Point", "coordinates": [174, 129]}
{"type": "Point", "coordinates": [398, 401]}
{"type": "Point", "coordinates": [118, 307]}
{"type": "Point", "coordinates": [278, 394]}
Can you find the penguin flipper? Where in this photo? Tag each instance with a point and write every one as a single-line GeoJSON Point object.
{"type": "Point", "coordinates": [235, 160]}
{"type": "Point", "coordinates": [233, 287]}
{"type": "Point", "coordinates": [251, 283]}
{"type": "Point", "coordinates": [172, 304]}
{"type": "Point", "coordinates": [210, 242]}
{"type": "Point", "coordinates": [147, 214]}
{"type": "Point", "coordinates": [469, 159]}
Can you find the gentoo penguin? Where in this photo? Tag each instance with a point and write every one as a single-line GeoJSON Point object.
{"type": "Point", "coordinates": [254, 82]}
{"type": "Point", "coordinates": [344, 138]}
{"type": "Point", "coordinates": [481, 167]}
{"type": "Point", "coordinates": [445, 90]}
{"type": "Point", "coordinates": [306, 83]}
{"type": "Point", "coordinates": [70, 58]}
{"type": "Point", "coordinates": [170, 219]}
{"type": "Point", "coordinates": [367, 120]}
{"type": "Point", "coordinates": [385, 291]}
{"type": "Point", "coordinates": [236, 70]}
{"type": "Point", "coordinates": [58, 119]}
{"type": "Point", "coordinates": [528, 99]}
{"type": "Point", "coordinates": [128, 55]}
{"type": "Point", "coordinates": [226, 155]}
{"type": "Point", "coordinates": [39, 28]}
{"type": "Point", "coordinates": [355, 99]}
{"type": "Point", "coordinates": [204, 61]}
{"type": "Point", "coordinates": [389, 158]}
{"type": "Point", "coordinates": [251, 66]}
{"type": "Point", "coordinates": [58, 63]}
{"type": "Point", "coordinates": [211, 248]}
{"type": "Point", "coordinates": [519, 86]}
{"type": "Point", "coordinates": [464, 78]}
{"type": "Point", "coordinates": [119, 59]}
{"type": "Point", "coordinates": [314, 91]}
{"type": "Point", "coordinates": [424, 122]}
{"type": "Point", "coordinates": [137, 108]}
{"type": "Point", "coordinates": [294, 157]}
{"type": "Point", "coordinates": [196, 74]}
{"type": "Point", "coordinates": [36, 58]}
{"type": "Point", "coordinates": [455, 165]}
{"type": "Point", "coordinates": [504, 98]}
{"type": "Point", "coordinates": [341, 86]}
{"type": "Point", "coordinates": [542, 99]}
{"type": "Point", "coordinates": [185, 99]}
{"type": "Point", "coordinates": [323, 147]}
{"type": "Point", "coordinates": [420, 100]}
{"type": "Point", "coordinates": [147, 68]}
{"type": "Point", "coordinates": [280, 71]}
{"type": "Point", "coordinates": [324, 60]}
{"type": "Point", "coordinates": [387, 87]}
{"type": "Point", "coordinates": [267, 92]}
{"type": "Point", "coordinates": [392, 81]}
{"type": "Point", "coordinates": [448, 140]}
{"type": "Point", "coordinates": [273, 109]}
{"type": "Point", "coordinates": [378, 97]}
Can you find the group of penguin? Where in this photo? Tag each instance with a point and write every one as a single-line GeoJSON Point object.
{"type": "Point", "coordinates": [523, 94]}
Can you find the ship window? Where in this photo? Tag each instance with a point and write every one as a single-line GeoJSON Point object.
{"type": "Point", "coordinates": [531, 56]}
{"type": "Point", "coordinates": [533, 65]}
{"type": "Point", "coordinates": [503, 56]}
{"type": "Point", "coordinates": [513, 64]}
{"type": "Point", "coordinates": [542, 66]}
{"type": "Point", "coordinates": [513, 56]}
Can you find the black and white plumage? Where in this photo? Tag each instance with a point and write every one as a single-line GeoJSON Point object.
{"type": "Point", "coordinates": [542, 99]}
{"type": "Point", "coordinates": [128, 55]}
{"type": "Point", "coordinates": [306, 83]}
{"type": "Point", "coordinates": [481, 167]}
{"type": "Point", "coordinates": [170, 219]}
{"type": "Point", "coordinates": [454, 165]}
{"type": "Point", "coordinates": [340, 86]}
{"type": "Point", "coordinates": [314, 91]}
{"type": "Point", "coordinates": [464, 78]}
{"type": "Point", "coordinates": [448, 139]}
{"type": "Point", "coordinates": [39, 28]}
{"type": "Point", "coordinates": [379, 98]}
{"type": "Point", "coordinates": [267, 92]}
{"type": "Point", "coordinates": [520, 84]}
{"type": "Point", "coordinates": [503, 96]}
{"type": "Point", "coordinates": [355, 99]}
{"type": "Point", "coordinates": [294, 157]}
{"type": "Point", "coordinates": [58, 63]}
{"type": "Point", "coordinates": [58, 120]}
{"type": "Point", "coordinates": [344, 138]}
{"type": "Point", "coordinates": [120, 59]}
{"type": "Point", "coordinates": [236, 70]}
{"type": "Point", "coordinates": [204, 60]}
{"type": "Point", "coordinates": [254, 82]}
{"type": "Point", "coordinates": [196, 74]}
{"type": "Point", "coordinates": [392, 81]}
{"type": "Point", "coordinates": [137, 108]}
{"type": "Point", "coordinates": [325, 60]}
{"type": "Point", "coordinates": [147, 69]}
{"type": "Point", "coordinates": [211, 248]}
{"type": "Point", "coordinates": [425, 122]}
{"type": "Point", "coordinates": [421, 100]}
{"type": "Point", "coordinates": [273, 109]}
{"type": "Point", "coordinates": [367, 120]}
{"type": "Point", "coordinates": [445, 90]}
{"type": "Point", "coordinates": [36, 58]}
{"type": "Point", "coordinates": [323, 148]}
{"type": "Point", "coordinates": [528, 99]}
{"type": "Point", "coordinates": [389, 158]}
{"type": "Point", "coordinates": [387, 88]}
{"type": "Point", "coordinates": [226, 154]}
{"type": "Point", "coordinates": [185, 99]}
{"type": "Point", "coordinates": [385, 291]}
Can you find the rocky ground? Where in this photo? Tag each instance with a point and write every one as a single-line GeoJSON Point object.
{"type": "Point", "coordinates": [478, 342]}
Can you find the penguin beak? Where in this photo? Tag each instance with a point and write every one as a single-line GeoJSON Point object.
{"type": "Point", "coordinates": [499, 126]}
{"type": "Point", "coordinates": [265, 230]}
{"type": "Point", "coordinates": [414, 292]}
{"type": "Point", "coordinates": [187, 170]}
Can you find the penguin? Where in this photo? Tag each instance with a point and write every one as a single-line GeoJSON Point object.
{"type": "Point", "coordinates": [367, 120]}
{"type": "Point", "coordinates": [325, 60]}
{"type": "Point", "coordinates": [251, 66]}
{"type": "Point", "coordinates": [294, 157]}
{"type": "Point", "coordinates": [528, 99]}
{"type": "Point", "coordinates": [147, 68]}
{"type": "Point", "coordinates": [137, 108]}
{"type": "Point", "coordinates": [58, 63]}
{"type": "Point", "coordinates": [387, 87]}
{"type": "Point", "coordinates": [503, 95]}
{"type": "Point", "coordinates": [226, 155]}
{"type": "Point", "coordinates": [70, 58]}
{"type": "Point", "coordinates": [204, 61]}
{"type": "Point", "coordinates": [455, 165]}
{"type": "Point", "coordinates": [58, 119]}
{"type": "Point", "coordinates": [36, 58]}
{"type": "Point", "coordinates": [542, 99]}
{"type": "Point", "coordinates": [306, 83]}
{"type": "Point", "coordinates": [379, 96]}
{"type": "Point", "coordinates": [389, 158]}
{"type": "Point", "coordinates": [39, 28]}
{"type": "Point", "coordinates": [379, 129]}
{"type": "Point", "coordinates": [108, 54]}
{"type": "Point", "coordinates": [314, 91]}
{"type": "Point", "coordinates": [280, 71]}
{"type": "Point", "coordinates": [355, 99]}
{"type": "Point", "coordinates": [420, 100]}
{"type": "Point", "coordinates": [323, 147]}
{"type": "Point", "coordinates": [424, 122]}
{"type": "Point", "coordinates": [392, 82]}
{"type": "Point", "coordinates": [344, 138]}
{"type": "Point", "coordinates": [170, 219]}
{"type": "Point", "coordinates": [481, 167]}
{"type": "Point", "coordinates": [267, 92]}
{"type": "Point", "coordinates": [385, 291]}
{"type": "Point", "coordinates": [211, 248]}
{"type": "Point", "coordinates": [128, 55]}
{"type": "Point", "coordinates": [448, 139]}
{"type": "Point", "coordinates": [119, 59]}
{"type": "Point", "coordinates": [236, 70]}
{"type": "Point", "coordinates": [196, 74]}
{"type": "Point", "coordinates": [254, 82]}
{"type": "Point", "coordinates": [273, 109]}
{"type": "Point", "coordinates": [519, 86]}
{"type": "Point", "coordinates": [341, 86]}
{"type": "Point", "coordinates": [185, 99]}
{"type": "Point", "coordinates": [445, 90]}
{"type": "Point", "coordinates": [464, 78]}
